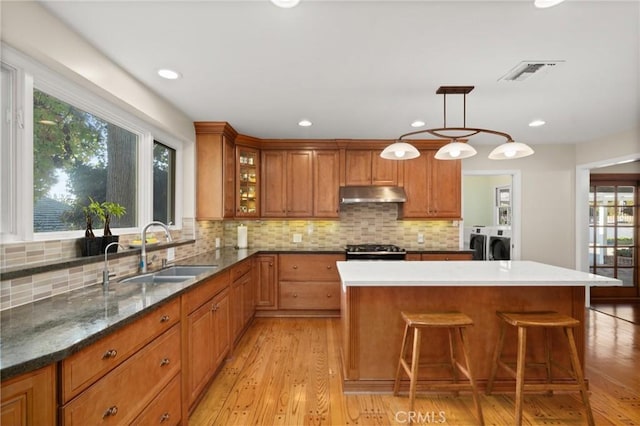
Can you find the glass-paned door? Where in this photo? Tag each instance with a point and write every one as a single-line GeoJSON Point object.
{"type": "Point", "coordinates": [613, 234]}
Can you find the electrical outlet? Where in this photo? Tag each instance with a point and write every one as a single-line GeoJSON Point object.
{"type": "Point", "coordinates": [297, 238]}
{"type": "Point", "coordinates": [171, 254]}
{"type": "Point", "coordinates": [420, 238]}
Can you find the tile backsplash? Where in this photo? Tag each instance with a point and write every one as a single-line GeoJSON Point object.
{"type": "Point", "coordinates": [358, 223]}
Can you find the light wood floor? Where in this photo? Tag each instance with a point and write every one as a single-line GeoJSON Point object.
{"type": "Point", "coordinates": [286, 371]}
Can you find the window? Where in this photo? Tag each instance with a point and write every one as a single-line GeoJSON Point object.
{"type": "Point", "coordinates": [78, 156]}
{"type": "Point", "coordinates": [63, 144]}
{"type": "Point", "coordinates": [164, 187]}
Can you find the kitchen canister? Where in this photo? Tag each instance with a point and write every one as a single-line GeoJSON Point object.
{"type": "Point", "coordinates": [242, 237]}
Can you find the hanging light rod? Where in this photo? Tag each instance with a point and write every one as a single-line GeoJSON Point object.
{"type": "Point", "coordinates": [456, 150]}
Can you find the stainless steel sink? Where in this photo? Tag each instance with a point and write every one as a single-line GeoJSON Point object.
{"type": "Point", "coordinates": [185, 271]}
{"type": "Point", "coordinates": [154, 279]}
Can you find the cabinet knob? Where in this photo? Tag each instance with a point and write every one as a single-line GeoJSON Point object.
{"type": "Point", "coordinates": [214, 307]}
{"type": "Point", "coordinates": [164, 417]}
{"type": "Point", "coordinates": [270, 263]}
{"type": "Point", "coordinates": [165, 361]}
{"type": "Point", "coordinates": [329, 295]}
{"type": "Point", "coordinates": [295, 294]}
{"type": "Point", "coordinates": [328, 266]}
{"type": "Point", "coordinates": [295, 266]}
{"type": "Point", "coordinates": [111, 411]}
{"type": "Point", "coordinates": [111, 353]}
{"type": "Point", "coordinates": [164, 318]}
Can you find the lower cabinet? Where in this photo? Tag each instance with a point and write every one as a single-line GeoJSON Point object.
{"type": "Point", "coordinates": [242, 297]}
{"type": "Point", "coordinates": [29, 399]}
{"type": "Point", "coordinates": [309, 281]}
{"type": "Point", "coordinates": [206, 335]}
{"type": "Point", "coordinates": [266, 279]}
{"type": "Point", "coordinates": [126, 391]}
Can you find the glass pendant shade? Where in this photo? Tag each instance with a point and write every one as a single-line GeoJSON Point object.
{"type": "Point", "coordinates": [510, 150]}
{"type": "Point", "coordinates": [285, 3]}
{"type": "Point", "coordinates": [400, 151]}
{"type": "Point", "coordinates": [455, 151]}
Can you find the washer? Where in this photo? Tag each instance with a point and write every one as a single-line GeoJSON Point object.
{"type": "Point", "coordinates": [500, 244]}
{"type": "Point", "coordinates": [479, 242]}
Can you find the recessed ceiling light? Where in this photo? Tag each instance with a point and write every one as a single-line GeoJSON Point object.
{"type": "Point", "coordinates": [418, 123]}
{"type": "Point", "coordinates": [286, 4]}
{"type": "Point", "coordinates": [304, 123]}
{"type": "Point", "coordinates": [537, 123]}
{"type": "Point", "coordinates": [543, 4]}
{"type": "Point", "coordinates": [168, 74]}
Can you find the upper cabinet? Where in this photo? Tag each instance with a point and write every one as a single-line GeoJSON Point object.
{"type": "Point", "coordinates": [432, 187]}
{"type": "Point", "coordinates": [326, 181]}
{"type": "Point", "coordinates": [215, 170]}
{"type": "Point", "coordinates": [247, 182]}
{"type": "Point", "coordinates": [287, 181]}
{"type": "Point", "coordinates": [366, 167]}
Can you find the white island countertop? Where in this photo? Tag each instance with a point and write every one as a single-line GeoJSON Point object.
{"type": "Point", "coordinates": [465, 273]}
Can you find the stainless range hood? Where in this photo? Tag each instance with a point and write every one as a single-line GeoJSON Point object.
{"type": "Point", "coordinates": [372, 194]}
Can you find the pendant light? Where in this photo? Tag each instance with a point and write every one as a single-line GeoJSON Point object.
{"type": "Point", "coordinates": [456, 150]}
{"type": "Point", "coordinates": [400, 151]}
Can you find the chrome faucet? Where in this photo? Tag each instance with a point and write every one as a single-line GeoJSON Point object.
{"type": "Point", "coordinates": [105, 271]}
{"type": "Point", "coordinates": [143, 247]}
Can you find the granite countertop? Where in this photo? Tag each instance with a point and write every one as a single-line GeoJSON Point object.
{"type": "Point", "coordinates": [465, 273]}
{"type": "Point", "coordinates": [43, 332]}
{"type": "Point", "coordinates": [49, 330]}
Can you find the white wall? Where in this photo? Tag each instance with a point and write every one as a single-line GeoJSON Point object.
{"type": "Point", "coordinates": [546, 197]}
{"type": "Point", "coordinates": [479, 198]}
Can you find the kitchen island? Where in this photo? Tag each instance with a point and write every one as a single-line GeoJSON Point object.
{"type": "Point", "coordinates": [374, 293]}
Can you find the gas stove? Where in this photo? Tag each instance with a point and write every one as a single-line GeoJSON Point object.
{"type": "Point", "coordinates": [374, 252]}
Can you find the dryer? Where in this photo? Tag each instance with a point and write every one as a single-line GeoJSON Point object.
{"type": "Point", "coordinates": [499, 245]}
{"type": "Point", "coordinates": [479, 242]}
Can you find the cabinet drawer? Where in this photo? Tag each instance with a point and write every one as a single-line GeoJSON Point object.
{"type": "Point", "coordinates": [205, 291]}
{"type": "Point", "coordinates": [85, 367]}
{"type": "Point", "coordinates": [239, 270]}
{"type": "Point", "coordinates": [309, 267]}
{"type": "Point", "coordinates": [309, 295]}
{"type": "Point", "coordinates": [165, 409]}
{"type": "Point", "coordinates": [447, 256]}
{"type": "Point", "coordinates": [122, 394]}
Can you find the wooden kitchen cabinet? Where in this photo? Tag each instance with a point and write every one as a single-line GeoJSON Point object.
{"type": "Point", "coordinates": [29, 399]}
{"type": "Point", "coordinates": [247, 182]}
{"type": "Point", "coordinates": [124, 393]}
{"type": "Point", "coordinates": [206, 335]}
{"type": "Point", "coordinates": [215, 170]}
{"type": "Point", "coordinates": [266, 279]}
{"type": "Point", "coordinates": [287, 183]}
{"type": "Point", "coordinates": [326, 183]}
{"type": "Point", "coordinates": [366, 167]}
{"type": "Point", "coordinates": [309, 281]}
{"type": "Point", "coordinates": [433, 187]}
{"type": "Point", "coordinates": [242, 297]}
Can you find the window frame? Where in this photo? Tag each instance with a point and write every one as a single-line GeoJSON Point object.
{"type": "Point", "coordinates": [31, 74]}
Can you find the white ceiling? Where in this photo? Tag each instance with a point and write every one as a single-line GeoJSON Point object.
{"type": "Point", "coordinates": [367, 69]}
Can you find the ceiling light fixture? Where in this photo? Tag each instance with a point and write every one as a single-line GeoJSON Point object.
{"type": "Point", "coordinates": [543, 4]}
{"type": "Point", "coordinates": [456, 150]}
{"type": "Point", "coordinates": [285, 4]}
{"type": "Point", "coordinates": [537, 123]}
{"type": "Point", "coordinates": [418, 123]}
{"type": "Point", "coordinates": [168, 74]}
{"type": "Point", "coordinates": [304, 123]}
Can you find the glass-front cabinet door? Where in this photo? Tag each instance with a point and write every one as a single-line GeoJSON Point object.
{"type": "Point", "coordinates": [247, 182]}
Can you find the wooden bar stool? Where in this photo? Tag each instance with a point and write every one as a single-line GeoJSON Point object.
{"type": "Point", "coordinates": [547, 320]}
{"type": "Point", "coordinates": [452, 321]}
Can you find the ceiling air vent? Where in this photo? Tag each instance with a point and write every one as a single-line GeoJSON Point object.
{"type": "Point", "coordinates": [526, 69]}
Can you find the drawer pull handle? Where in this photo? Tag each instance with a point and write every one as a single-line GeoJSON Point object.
{"type": "Point", "coordinates": [111, 353]}
{"type": "Point", "coordinates": [165, 361]}
{"type": "Point", "coordinates": [111, 411]}
{"type": "Point", "coordinates": [164, 417]}
{"type": "Point", "coordinates": [164, 318]}
{"type": "Point", "coordinates": [214, 307]}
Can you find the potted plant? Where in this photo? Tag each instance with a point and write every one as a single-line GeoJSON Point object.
{"type": "Point", "coordinates": [108, 210]}
{"type": "Point", "coordinates": [91, 245]}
